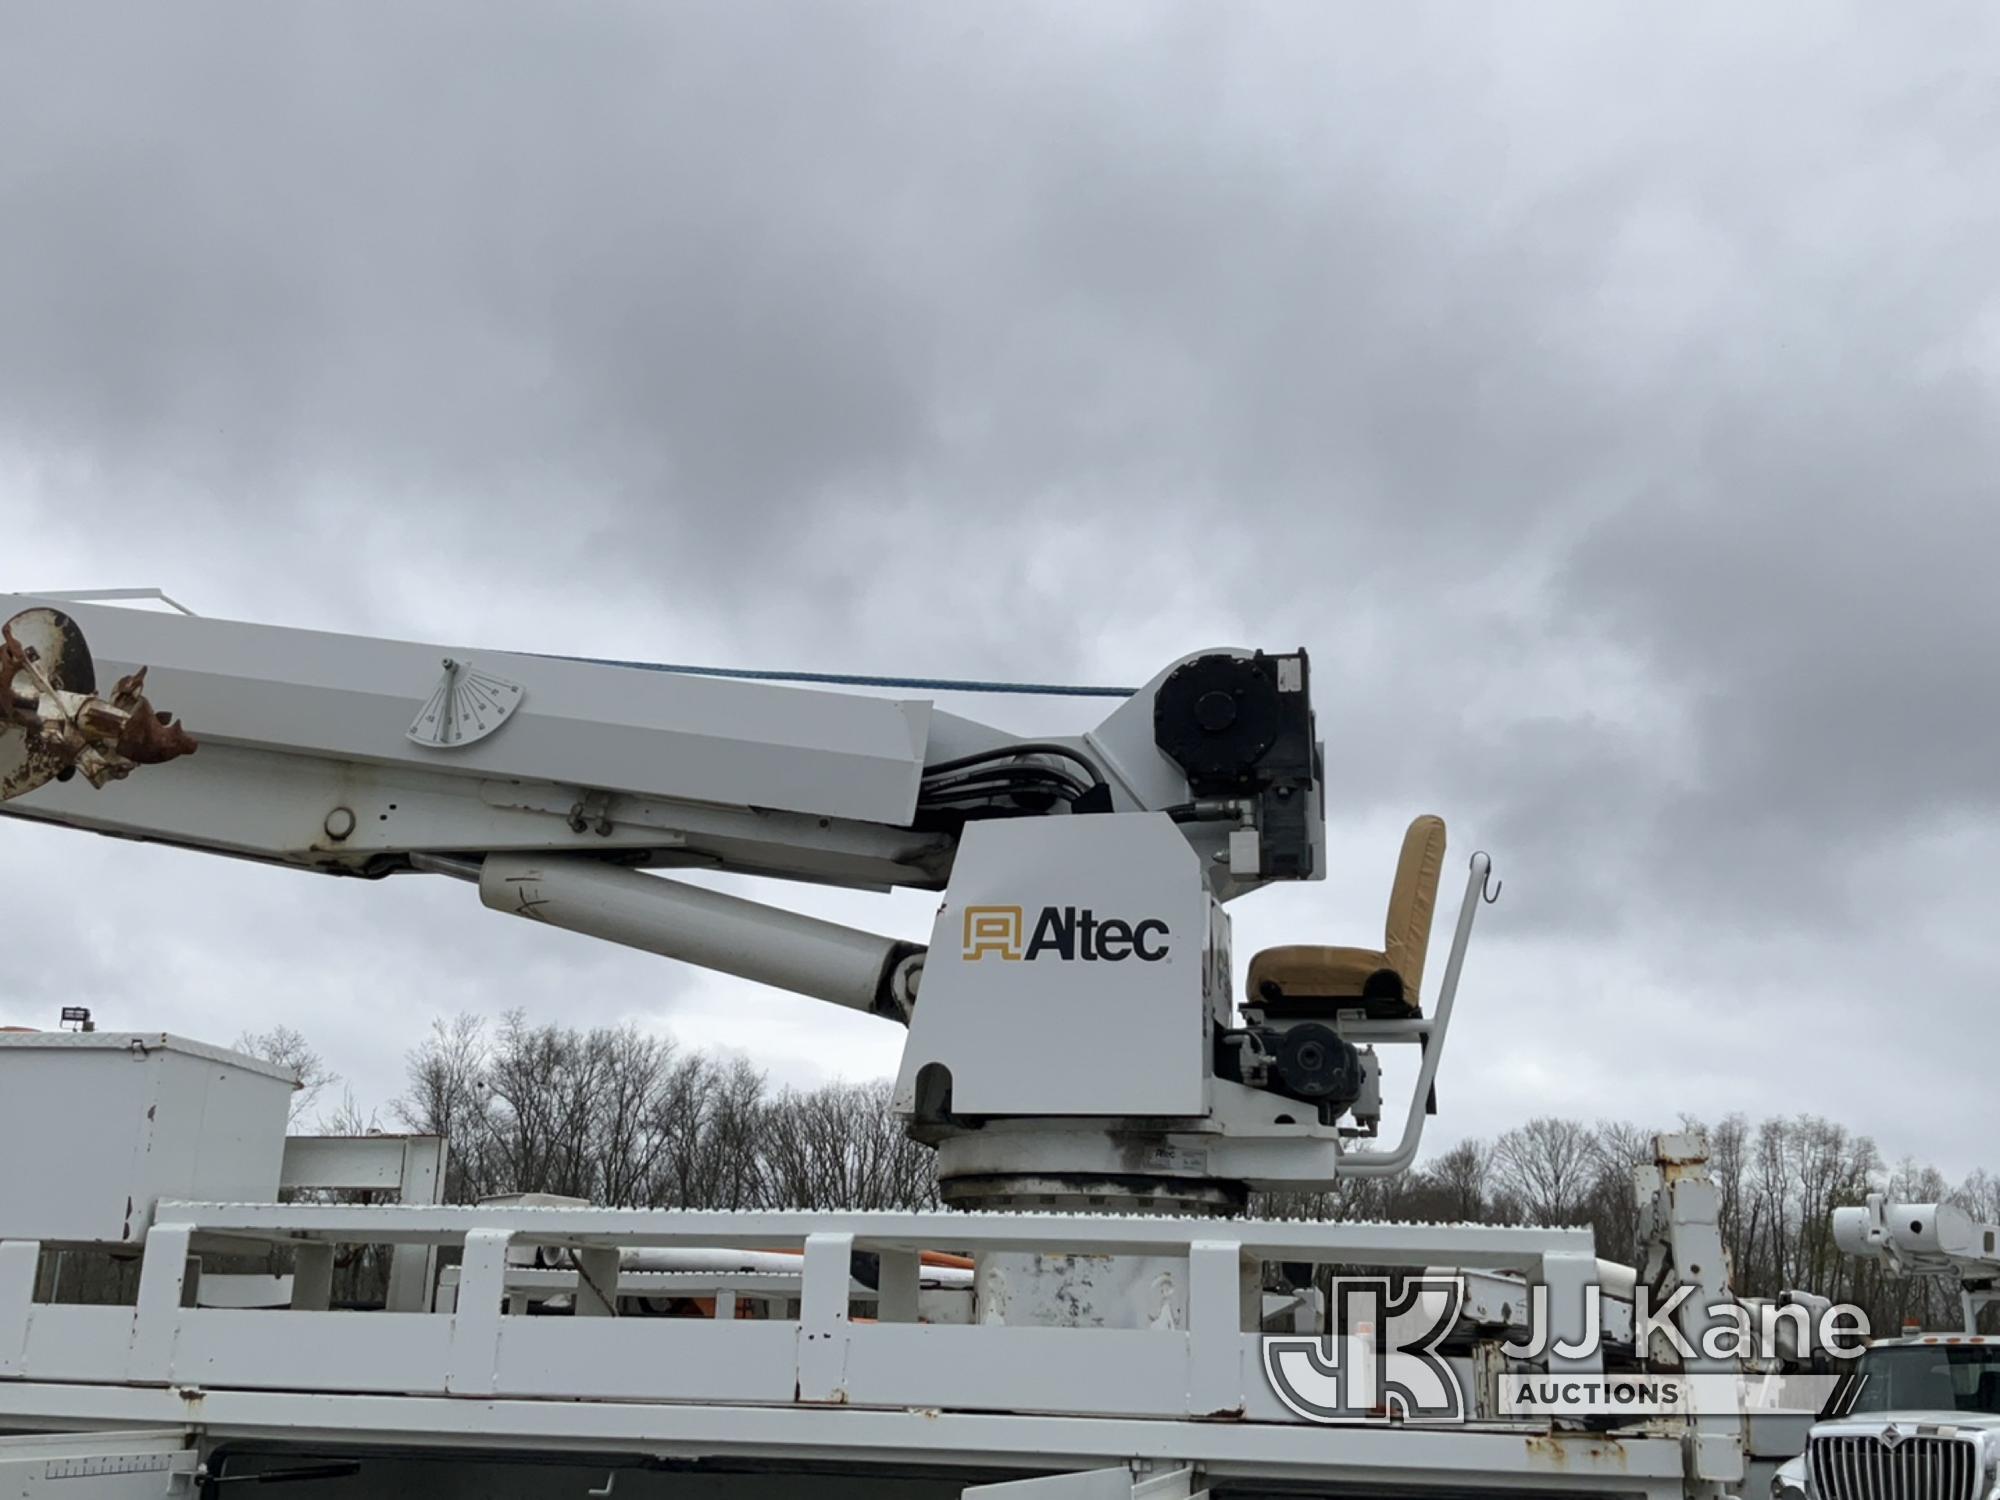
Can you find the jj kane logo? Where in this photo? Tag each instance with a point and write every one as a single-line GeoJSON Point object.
{"type": "Point", "coordinates": [1066, 932]}
{"type": "Point", "coordinates": [1380, 1358]}
{"type": "Point", "coordinates": [1379, 1361]}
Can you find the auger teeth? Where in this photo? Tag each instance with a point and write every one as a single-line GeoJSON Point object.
{"type": "Point", "coordinates": [54, 724]}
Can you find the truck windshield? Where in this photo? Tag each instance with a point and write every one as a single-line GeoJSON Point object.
{"type": "Point", "coordinates": [1930, 1377]}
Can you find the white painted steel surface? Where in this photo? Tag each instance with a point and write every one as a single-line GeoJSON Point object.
{"type": "Point", "coordinates": [750, 939]}
{"type": "Point", "coordinates": [1519, 1463]}
{"type": "Point", "coordinates": [98, 1125]}
{"type": "Point", "coordinates": [147, 1465]}
{"type": "Point", "coordinates": [1206, 1368]}
{"type": "Point", "coordinates": [878, 1396]}
{"type": "Point", "coordinates": [351, 698]}
{"type": "Point", "coordinates": [1048, 1035]}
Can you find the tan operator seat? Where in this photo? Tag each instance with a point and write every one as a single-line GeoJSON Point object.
{"type": "Point", "coordinates": [1304, 980]}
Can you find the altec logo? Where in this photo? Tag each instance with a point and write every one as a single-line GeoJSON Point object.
{"type": "Point", "coordinates": [1062, 932]}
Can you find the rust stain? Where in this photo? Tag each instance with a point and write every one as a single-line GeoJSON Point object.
{"type": "Point", "coordinates": [53, 724]}
{"type": "Point", "coordinates": [37, 767]}
{"type": "Point", "coordinates": [1557, 1450]}
{"type": "Point", "coordinates": [148, 738]}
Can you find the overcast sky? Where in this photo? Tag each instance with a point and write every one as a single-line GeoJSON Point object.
{"type": "Point", "coordinates": [1608, 397]}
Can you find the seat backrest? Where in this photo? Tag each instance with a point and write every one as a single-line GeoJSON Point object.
{"type": "Point", "coordinates": [1413, 901]}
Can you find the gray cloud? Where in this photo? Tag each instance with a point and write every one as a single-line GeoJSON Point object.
{"type": "Point", "coordinates": [1607, 400]}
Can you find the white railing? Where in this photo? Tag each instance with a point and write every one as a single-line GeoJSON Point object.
{"type": "Point", "coordinates": [1210, 1368]}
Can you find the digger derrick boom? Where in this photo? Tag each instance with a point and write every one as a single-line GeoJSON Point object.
{"type": "Point", "coordinates": [1110, 1067]}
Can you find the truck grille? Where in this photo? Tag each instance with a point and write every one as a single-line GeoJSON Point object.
{"type": "Point", "coordinates": [1917, 1468]}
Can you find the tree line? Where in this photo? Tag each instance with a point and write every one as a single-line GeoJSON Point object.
{"type": "Point", "coordinates": [1777, 1180]}
{"type": "Point", "coordinates": [625, 1118]}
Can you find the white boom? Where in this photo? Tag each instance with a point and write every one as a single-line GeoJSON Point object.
{"type": "Point", "coordinates": [1926, 1239]}
{"type": "Point", "coordinates": [1076, 992]}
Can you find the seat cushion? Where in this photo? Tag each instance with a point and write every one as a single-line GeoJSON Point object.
{"type": "Point", "coordinates": [1306, 972]}
{"type": "Point", "coordinates": [1413, 900]}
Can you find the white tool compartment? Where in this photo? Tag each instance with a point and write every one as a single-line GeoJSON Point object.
{"type": "Point", "coordinates": [97, 1466]}
{"type": "Point", "coordinates": [96, 1127]}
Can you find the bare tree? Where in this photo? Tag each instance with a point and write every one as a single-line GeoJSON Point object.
{"type": "Point", "coordinates": [447, 1095]}
{"type": "Point", "coordinates": [1461, 1181]}
{"type": "Point", "coordinates": [1728, 1161]}
{"type": "Point", "coordinates": [839, 1146]}
{"type": "Point", "coordinates": [347, 1118]}
{"type": "Point", "coordinates": [1613, 1207]}
{"type": "Point", "coordinates": [1979, 1196]}
{"type": "Point", "coordinates": [1549, 1166]}
{"type": "Point", "coordinates": [289, 1049]}
{"type": "Point", "coordinates": [632, 1135]}
{"type": "Point", "coordinates": [711, 1116]}
{"type": "Point", "coordinates": [619, 1117]}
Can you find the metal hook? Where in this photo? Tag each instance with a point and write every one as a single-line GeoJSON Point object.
{"type": "Point", "coordinates": [610, 1484]}
{"type": "Point", "coordinates": [1489, 888]}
